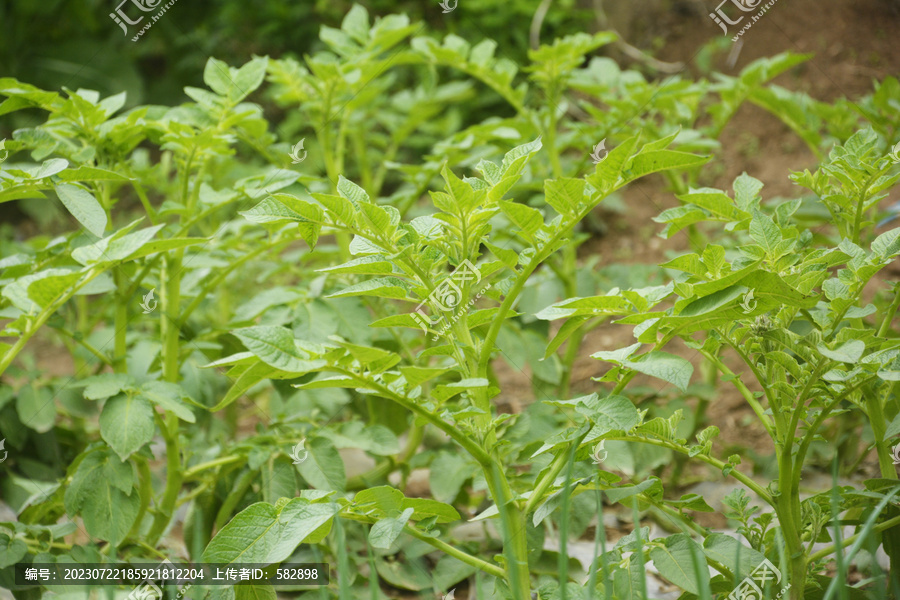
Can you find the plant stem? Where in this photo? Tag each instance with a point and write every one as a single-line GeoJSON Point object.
{"type": "Point", "coordinates": [86, 345]}
{"type": "Point", "coordinates": [820, 554]}
{"type": "Point", "coordinates": [879, 427]}
{"type": "Point", "coordinates": [146, 491]}
{"type": "Point", "coordinates": [477, 452]}
{"type": "Point", "coordinates": [212, 464]}
{"type": "Point", "coordinates": [456, 553]}
{"type": "Point", "coordinates": [889, 315]}
{"type": "Point", "coordinates": [120, 323]}
{"type": "Point", "coordinates": [171, 277]}
{"type": "Point", "coordinates": [174, 477]}
{"type": "Point", "coordinates": [515, 544]}
{"type": "Point", "coordinates": [714, 462]}
{"type": "Point", "coordinates": [744, 390]}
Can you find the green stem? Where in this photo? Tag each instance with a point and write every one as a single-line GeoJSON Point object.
{"type": "Point", "coordinates": [146, 493]}
{"type": "Point", "coordinates": [889, 315]}
{"type": "Point", "coordinates": [121, 322]}
{"type": "Point", "coordinates": [744, 390]}
{"type": "Point", "coordinates": [458, 436]}
{"type": "Point", "coordinates": [171, 276]}
{"type": "Point", "coordinates": [456, 553]}
{"type": "Point", "coordinates": [87, 346]}
{"type": "Point", "coordinates": [515, 543]}
{"type": "Point", "coordinates": [571, 355]}
{"type": "Point", "coordinates": [174, 477]}
{"type": "Point", "coordinates": [444, 547]}
{"type": "Point", "coordinates": [820, 554]}
{"type": "Point", "coordinates": [879, 427]}
{"type": "Point", "coordinates": [212, 464]}
{"type": "Point", "coordinates": [713, 462]}
{"type": "Point", "coordinates": [559, 461]}
{"type": "Point", "coordinates": [237, 493]}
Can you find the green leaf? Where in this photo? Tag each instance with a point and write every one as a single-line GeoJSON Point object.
{"type": "Point", "coordinates": [265, 533]}
{"type": "Point", "coordinates": [101, 491]}
{"type": "Point", "coordinates": [381, 287]}
{"type": "Point", "coordinates": [249, 77]}
{"type": "Point", "coordinates": [36, 407]}
{"type": "Point", "coordinates": [383, 497]}
{"type": "Point", "coordinates": [216, 75]}
{"type": "Point", "coordinates": [887, 245]}
{"type": "Point", "coordinates": [651, 487]}
{"type": "Point", "coordinates": [425, 508]}
{"type": "Point", "coordinates": [661, 160]}
{"type": "Point", "coordinates": [724, 549]}
{"type": "Point", "coordinates": [526, 218]}
{"type": "Point", "coordinates": [364, 265]}
{"type": "Point", "coordinates": [448, 472]}
{"type": "Point", "coordinates": [275, 347]}
{"type": "Point", "coordinates": [100, 387]}
{"type": "Point", "coordinates": [126, 423]}
{"type": "Point", "coordinates": [352, 192]}
{"type": "Point", "coordinates": [284, 208]}
{"type": "Point", "coordinates": [83, 206]}
{"type": "Point", "coordinates": [254, 592]}
{"type": "Point", "coordinates": [612, 413]}
{"type": "Point", "coordinates": [565, 195]}
{"type": "Point", "coordinates": [665, 366]}
{"type": "Point", "coordinates": [12, 550]}
{"type": "Point", "coordinates": [766, 233]}
{"type": "Point", "coordinates": [848, 352]}
{"type": "Point", "coordinates": [893, 428]}
{"type": "Point", "coordinates": [680, 561]}
{"type": "Point", "coordinates": [356, 23]}
{"type": "Point", "coordinates": [170, 397]}
{"type": "Point", "coordinates": [324, 468]}
{"type": "Point", "coordinates": [606, 174]}
{"type": "Point", "coordinates": [386, 531]}
{"type": "Point", "coordinates": [86, 173]}
{"type": "Point", "coordinates": [46, 290]}
{"type": "Point", "coordinates": [244, 377]}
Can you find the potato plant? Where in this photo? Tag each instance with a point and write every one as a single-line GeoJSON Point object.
{"type": "Point", "coordinates": [234, 325]}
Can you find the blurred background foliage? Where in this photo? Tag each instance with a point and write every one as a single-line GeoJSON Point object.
{"type": "Point", "coordinates": [81, 47]}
